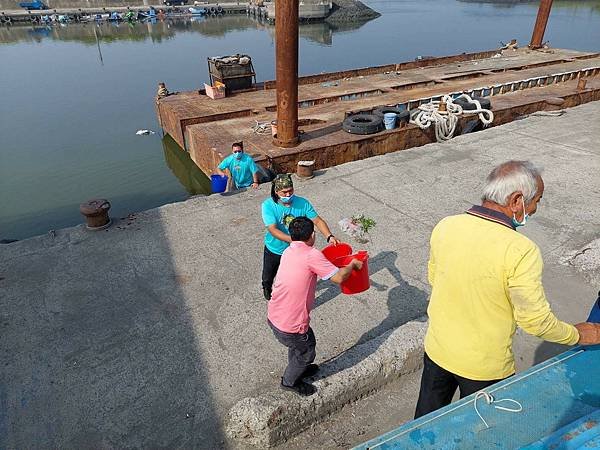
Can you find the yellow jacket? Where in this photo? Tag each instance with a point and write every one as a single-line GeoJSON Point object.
{"type": "Point", "coordinates": [486, 279]}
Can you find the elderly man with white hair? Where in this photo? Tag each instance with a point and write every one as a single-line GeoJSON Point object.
{"type": "Point", "coordinates": [486, 280]}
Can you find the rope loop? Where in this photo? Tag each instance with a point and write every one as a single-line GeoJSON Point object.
{"type": "Point", "coordinates": [261, 127]}
{"type": "Point", "coordinates": [445, 121]}
{"type": "Point", "coordinates": [490, 400]}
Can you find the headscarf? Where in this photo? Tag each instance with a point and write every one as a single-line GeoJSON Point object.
{"type": "Point", "coordinates": [283, 181]}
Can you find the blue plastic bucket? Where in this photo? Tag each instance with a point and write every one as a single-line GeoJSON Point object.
{"type": "Point", "coordinates": [389, 120]}
{"type": "Point", "coordinates": [218, 183]}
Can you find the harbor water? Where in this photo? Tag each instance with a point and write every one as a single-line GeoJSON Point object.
{"type": "Point", "coordinates": [74, 95]}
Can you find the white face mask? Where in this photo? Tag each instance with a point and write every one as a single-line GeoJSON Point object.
{"type": "Point", "coordinates": [515, 222]}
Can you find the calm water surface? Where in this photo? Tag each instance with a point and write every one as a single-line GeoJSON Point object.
{"type": "Point", "coordinates": [72, 97]}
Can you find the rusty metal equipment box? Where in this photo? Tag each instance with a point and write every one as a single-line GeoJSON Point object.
{"type": "Point", "coordinates": [236, 72]}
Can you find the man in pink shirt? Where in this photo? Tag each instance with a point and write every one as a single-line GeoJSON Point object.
{"type": "Point", "coordinates": [293, 298]}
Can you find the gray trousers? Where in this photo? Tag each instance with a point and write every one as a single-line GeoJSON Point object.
{"type": "Point", "coordinates": [301, 353]}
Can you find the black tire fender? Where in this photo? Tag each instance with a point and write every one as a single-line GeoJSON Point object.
{"type": "Point", "coordinates": [485, 102]}
{"type": "Point", "coordinates": [403, 115]}
{"type": "Point", "coordinates": [363, 124]}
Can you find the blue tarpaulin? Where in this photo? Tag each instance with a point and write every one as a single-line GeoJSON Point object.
{"type": "Point", "coordinates": [560, 401]}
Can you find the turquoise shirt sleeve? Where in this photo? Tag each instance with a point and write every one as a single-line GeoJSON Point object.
{"type": "Point", "coordinates": [253, 166]}
{"type": "Point", "coordinates": [309, 210]}
{"type": "Point", "coordinates": [225, 163]}
{"type": "Point", "coordinates": [268, 213]}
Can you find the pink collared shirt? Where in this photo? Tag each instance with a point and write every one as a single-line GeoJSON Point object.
{"type": "Point", "coordinates": [293, 294]}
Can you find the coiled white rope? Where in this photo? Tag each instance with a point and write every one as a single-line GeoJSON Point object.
{"type": "Point", "coordinates": [489, 399]}
{"type": "Point", "coordinates": [261, 127]}
{"type": "Point", "coordinates": [445, 121]}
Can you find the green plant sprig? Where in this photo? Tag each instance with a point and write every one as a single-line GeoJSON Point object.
{"type": "Point", "coordinates": [366, 223]}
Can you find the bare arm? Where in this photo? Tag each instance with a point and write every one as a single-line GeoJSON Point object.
{"type": "Point", "coordinates": [325, 231]}
{"type": "Point", "coordinates": [255, 180]}
{"type": "Point", "coordinates": [278, 233]}
{"type": "Point", "coordinates": [343, 274]}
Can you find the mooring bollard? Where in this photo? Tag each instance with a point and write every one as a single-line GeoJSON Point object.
{"type": "Point", "coordinates": [96, 214]}
{"type": "Point", "coordinates": [305, 169]}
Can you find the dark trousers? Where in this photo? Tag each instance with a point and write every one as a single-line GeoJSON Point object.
{"type": "Point", "coordinates": [301, 353]}
{"type": "Point", "coordinates": [438, 387]}
{"type": "Point", "coordinates": [270, 265]}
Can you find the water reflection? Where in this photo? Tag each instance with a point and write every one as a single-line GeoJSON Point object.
{"type": "Point", "coordinates": [70, 134]}
{"type": "Point", "coordinates": [159, 31]}
{"type": "Point", "coordinates": [189, 175]}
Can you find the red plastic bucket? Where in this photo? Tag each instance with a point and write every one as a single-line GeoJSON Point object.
{"type": "Point", "coordinates": [333, 252]}
{"type": "Point", "coordinates": [358, 281]}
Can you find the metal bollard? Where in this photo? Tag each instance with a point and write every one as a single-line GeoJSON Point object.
{"type": "Point", "coordinates": [96, 214]}
{"type": "Point", "coordinates": [305, 169]}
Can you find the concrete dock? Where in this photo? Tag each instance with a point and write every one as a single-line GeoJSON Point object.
{"type": "Point", "coordinates": [153, 332]}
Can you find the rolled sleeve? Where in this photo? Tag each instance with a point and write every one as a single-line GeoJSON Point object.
{"type": "Point", "coordinates": [531, 308]}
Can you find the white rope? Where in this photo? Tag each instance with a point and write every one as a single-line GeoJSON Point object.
{"type": "Point", "coordinates": [489, 399]}
{"type": "Point", "coordinates": [504, 385]}
{"type": "Point", "coordinates": [445, 121]}
{"type": "Point", "coordinates": [261, 127]}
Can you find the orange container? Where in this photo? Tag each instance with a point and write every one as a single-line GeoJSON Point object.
{"type": "Point", "coordinates": [332, 252]}
{"type": "Point", "coordinates": [215, 92]}
{"type": "Point", "coordinates": [358, 281]}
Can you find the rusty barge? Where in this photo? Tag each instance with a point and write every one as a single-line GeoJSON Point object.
{"type": "Point", "coordinates": [310, 110]}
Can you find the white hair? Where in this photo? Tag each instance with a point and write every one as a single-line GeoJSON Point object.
{"type": "Point", "coordinates": [510, 177]}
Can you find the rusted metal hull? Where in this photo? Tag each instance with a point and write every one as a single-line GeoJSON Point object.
{"type": "Point", "coordinates": [518, 83]}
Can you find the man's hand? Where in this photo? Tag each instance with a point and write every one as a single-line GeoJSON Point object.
{"type": "Point", "coordinates": [589, 333]}
{"type": "Point", "coordinates": [254, 185]}
{"type": "Point", "coordinates": [335, 241]}
{"type": "Point", "coordinates": [344, 273]}
{"type": "Point", "coordinates": [356, 264]}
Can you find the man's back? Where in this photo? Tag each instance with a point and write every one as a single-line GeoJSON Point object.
{"type": "Point", "coordinates": [486, 277]}
{"type": "Point", "coordinates": [294, 289]}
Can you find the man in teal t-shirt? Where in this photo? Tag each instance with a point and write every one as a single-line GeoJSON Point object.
{"type": "Point", "coordinates": [278, 211]}
{"type": "Point", "coordinates": [241, 167]}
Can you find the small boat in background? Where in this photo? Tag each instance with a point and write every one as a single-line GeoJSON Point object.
{"type": "Point", "coordinates": [197, 11]}
{"type": "Point", "coordinates": [33, 5]}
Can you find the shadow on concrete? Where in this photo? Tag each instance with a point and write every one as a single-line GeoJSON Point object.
{"type": "Point", "coordinates": [547, 350]}
{"type": "Point", "coordinates": [98, 345]}
{"type": "Point", "coordinates": [404, 302]}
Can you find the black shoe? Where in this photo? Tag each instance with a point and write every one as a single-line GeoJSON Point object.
{"type": "Point", "coordinates": [310, 371]}
{"type": "Point", "coordinates": [267, 293]}
{"type": "Point", "coordinates": [301, 388]}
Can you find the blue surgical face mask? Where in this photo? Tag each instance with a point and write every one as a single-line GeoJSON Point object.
{"type": "Point", "coordinates": [287, 199]}
{"type": "Point", "coordinates": [515, 222]}
{"type": "Point", "coordinates": [238, 155]}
